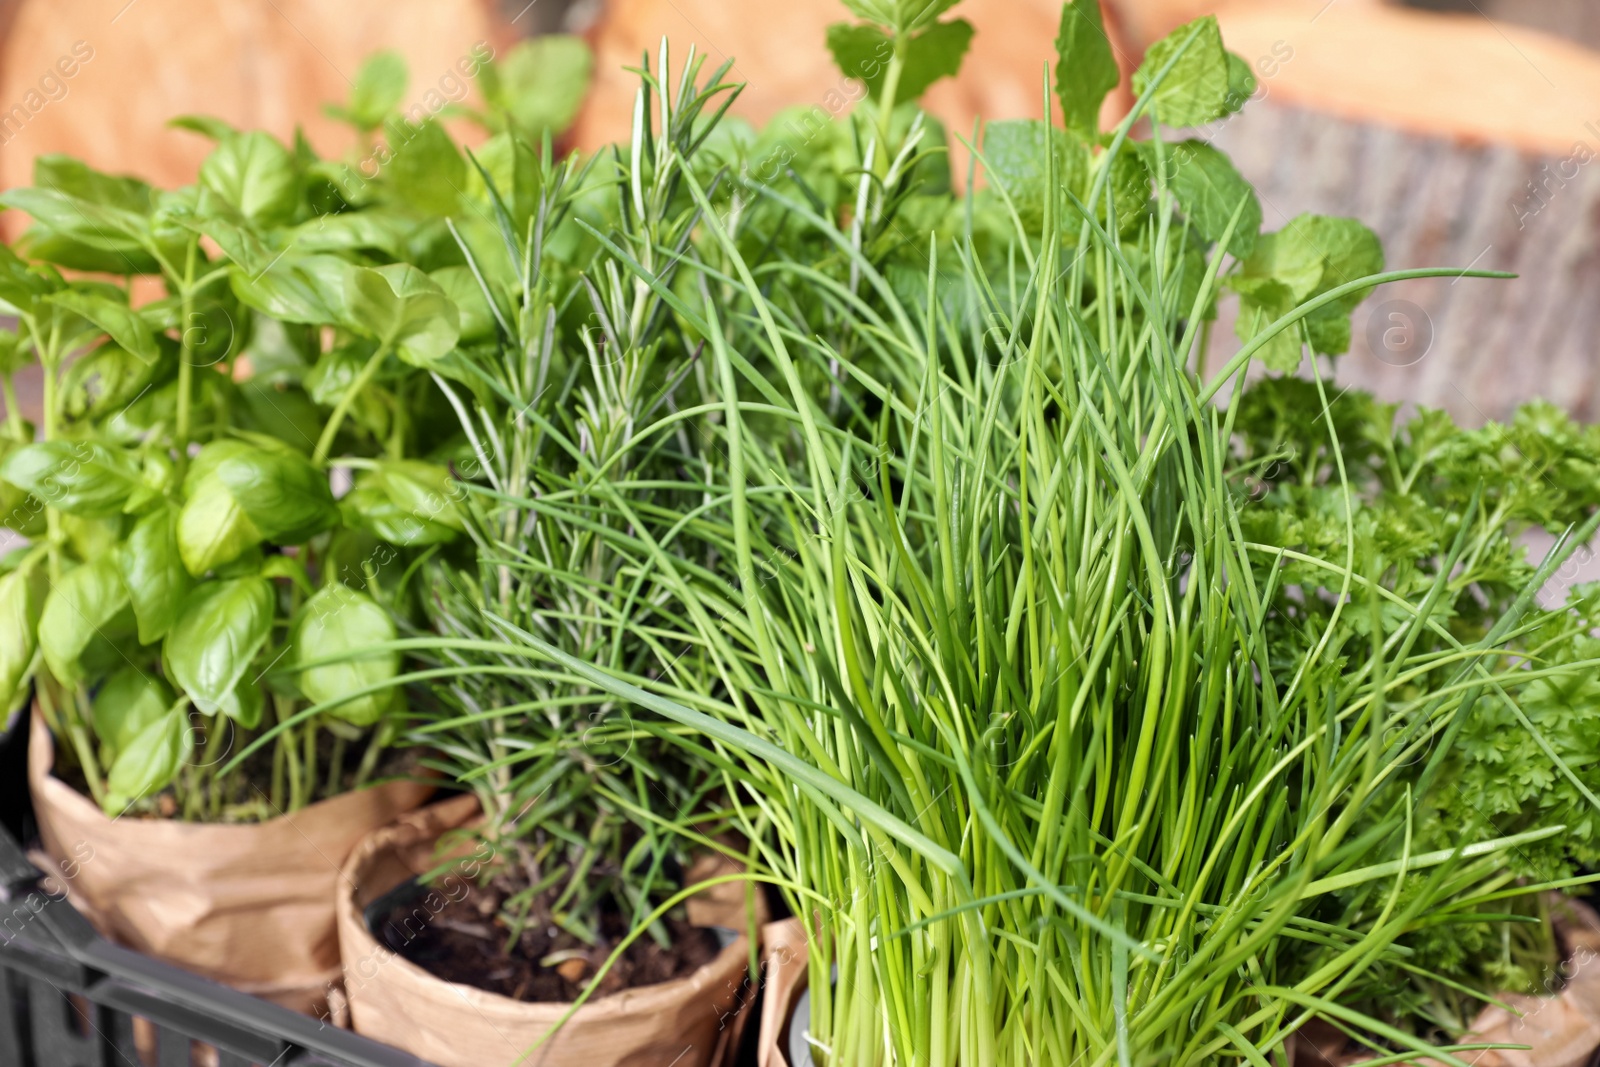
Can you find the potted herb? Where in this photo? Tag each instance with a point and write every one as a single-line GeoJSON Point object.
{"type": "Point", "coordinates": [189, 554]}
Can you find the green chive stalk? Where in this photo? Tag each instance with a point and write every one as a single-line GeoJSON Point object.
{"type": "Point", "coordinates": [993, 676]}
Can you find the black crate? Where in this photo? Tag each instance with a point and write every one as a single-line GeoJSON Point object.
{"type": "Point", "coordinates": [69, 998]}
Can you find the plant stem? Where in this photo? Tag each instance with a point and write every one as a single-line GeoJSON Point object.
{"type": "Point", "coordinates": [14, 421]}
{"type": "Point", "coordinates": [369, 758]}
{"type": "Point", "coordinates": [64, 722]}
{"type": "Point", "coordinates": [310, 790]}
{"type": "Point", "coordinates": [886, 100]}
{"type": "Point", "coordinates": [277, 777]}
{"type": "Point", "coordinates": [52, 517]}
{"type": "Point", "coordinates": [185, 365]}
{"type": "Point", "coordinates": [287, 744]}
{"type": "Point", "coordinates": [85, 750]}
{"type": "Point", "coordinates": [329, 431]}
{"type": "Point", "coordinates": [335, 766]}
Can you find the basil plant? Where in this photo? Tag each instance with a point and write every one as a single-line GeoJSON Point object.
{"type": "Point", "coordinates": [235, 473]}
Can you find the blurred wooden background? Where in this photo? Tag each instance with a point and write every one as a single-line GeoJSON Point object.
{"type": "Point", "coordinates": [1463, 133]}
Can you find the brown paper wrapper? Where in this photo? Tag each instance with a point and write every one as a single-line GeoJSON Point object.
{"type": "Point", "coordinates": [785, 958]}
{"type": "Point", "coordinates": [250, 906]}
{"type": "Point", "coordinates": [679, 1023]}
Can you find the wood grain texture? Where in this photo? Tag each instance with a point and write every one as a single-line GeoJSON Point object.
{"type": "Point", "coordinates": [267, 64]}
{"type": "Point", "coordinates": [1451, 75]}
{"type": "Point", "coordinates": [1435, 202]}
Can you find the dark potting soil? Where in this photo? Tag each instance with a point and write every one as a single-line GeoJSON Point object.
{"type": "Point", "coordinates": [464, 940]}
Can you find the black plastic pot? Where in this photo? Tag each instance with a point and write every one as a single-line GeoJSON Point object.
{"type": "Point", "coordinates": [68, 998]}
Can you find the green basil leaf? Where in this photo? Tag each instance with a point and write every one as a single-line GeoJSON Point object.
{"type": "Point", "coordinates": [406, 502]}
{"type": "Point", "coordinates": [22, 596]}
{"type": "Point", "coordinates": [381, 231]}
{"type": "Point", "coordinates": [99, 226]}
{"type": "Point", "coordinates": [1086, 69]}
{"type": "Point", "coordinates": [339, 621]}
{"type": "Point", "coordinates": [82, 477]}
{"type": "Point", "coordinates": [1195, 90]}
{"type": "Point", "coordinates": [461, 286]}
{"type": "Point", "coordinates": [150, 761]}
{"type": "Point", "coordinates": [213, 528]}
{"type": "Point", "coordinates": [282, 411]}
{"type": "Point", "coordinates": [20, 285]}
{"type": "Point", "coordinates": [289, 567]}
{"type": "Point", "coordinates": [244, 705]}
{"type": "Point", "coordinates": [425, 170]}
{"type": "Point", "coordinates": [126, 703]}
{"type": "Point", "coordinates": [308, 289]}
{"type": "Point", "coordinates": [254, 174]}
{"type": "Point", "coordinates": [242, 494]}
{"type": "Point", "coordinates": [153, 570]}
{"type": "Point", "coordinates": [84, 605]}
{"type": "Point", "coordinates": [19, 510]}
{"type": "Point", "coordinates": [91, 538]}
{"type": "Point", "coordinates": [120, 322]}
{"type": "Point", "coordinates": [103, 379]}
{"type": "Point", "coordinates": [220, 628]}
{"type": "Point", "coordinates": [122, 257]}
{"type": "Point", "coordinates": [335, 373]}
{"type": "Point", "coordinates": [403, 307]}
{"type": "Point", "coordinates": [75, 178]}
{"type": "Point", "coordinates": [287, 498]}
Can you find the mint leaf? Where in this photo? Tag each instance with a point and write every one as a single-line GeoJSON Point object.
{"type": "Point", "coordinates": [1308, 257]}
{"type": "Point", "coordinates": [1349, 251]}
{"type": "Point", "coordinates": [900, 16]}
{"type": "Point", "coordinates": [1241, 83]}
{"type": "Point", "coordinates": [1210, 190]}
{"type": "Point", "coordinates": [1195, 90]}
{"type": "Point", "coordinates": [863, 53]}
{"type": "Point", "coordinates": [1085, 68]}
{"type": "Point", "coordinates": [934, 53]}
{"type": "Point", "coordinates": [1015, 151]}
{"type": "Point", "coordinates": [541, 83]}
{"type": "Point", "coordinates": [1129, 186]}
{"type": "Point", "coordinates": [380, 84]}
